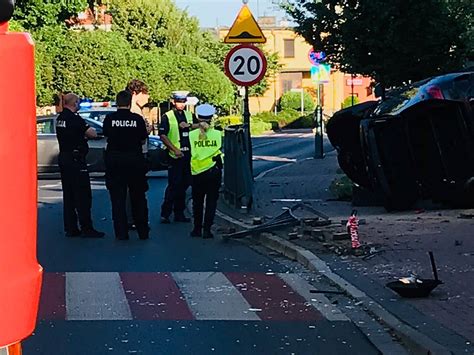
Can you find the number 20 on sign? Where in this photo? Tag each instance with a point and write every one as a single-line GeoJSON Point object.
{"type": "Point", "coordinates": [245, 65]}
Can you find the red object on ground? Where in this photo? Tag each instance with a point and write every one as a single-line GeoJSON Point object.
{"type": "Point", "coordinates": [20, 273]}
{"type": "Point", "coordinates": [353, 226]}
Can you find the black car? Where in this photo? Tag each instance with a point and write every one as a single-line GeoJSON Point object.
{"type": "Point", "coordinates": [416, 144]}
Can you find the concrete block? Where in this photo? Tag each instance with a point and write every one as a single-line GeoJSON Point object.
{"type": "Point", "coordinates": [341, 236]}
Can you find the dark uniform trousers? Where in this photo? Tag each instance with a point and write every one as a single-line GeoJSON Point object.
{"type": "Point", "coordinates": [127, 172]}
{"type": "Point", "coordinates": [206, 187]}
{"type": "Point", "coordinates": [179, 179]}
{"type": "Point", "coordinates": [77, 194]}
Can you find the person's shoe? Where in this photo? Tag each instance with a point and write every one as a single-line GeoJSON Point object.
{"type": "Point", "coordinates": [92, 233]}
{"type": "Point", "coordinates": [182, 219]}
{"type": "Point", "coordinates": [144, 234]}
{"type": "Point", "coordinates": [207, 234]}
{"type": "Point", "coordinates": [196, 233]}
{"type": "Point", "coordinates": [165, 220]}
{"type": "Point", "coordinates": [122, 238]}
{"type": "Point", "coordinates": [73, 234]}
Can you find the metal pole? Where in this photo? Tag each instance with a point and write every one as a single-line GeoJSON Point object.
{"type": "Point", "coordinates": [247, 127]}
{"type": "Point", "coordinates": [318, 139]}
{"type": "Point", "coordinates": [302, 102]}
{"type": "Point", "coordinates": [352, 89]}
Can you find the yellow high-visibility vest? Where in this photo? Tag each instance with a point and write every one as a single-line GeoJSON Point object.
{"type": "Point", "coordinates": [204, 149]}
{"type": "Point", "coordinates": [173, 134]}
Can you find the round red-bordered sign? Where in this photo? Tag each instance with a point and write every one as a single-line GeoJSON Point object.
{"type": "Point", "coordinates": [245, 65]}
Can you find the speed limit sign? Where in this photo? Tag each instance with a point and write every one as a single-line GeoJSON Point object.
{"type": "Point", "coordinates": [245, 65]}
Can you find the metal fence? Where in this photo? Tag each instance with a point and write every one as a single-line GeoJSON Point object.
{"type": "Point", "coordinates": [238, 180]}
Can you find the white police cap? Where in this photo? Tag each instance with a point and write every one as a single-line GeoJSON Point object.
{"type": "Point", "coordinates": [205, 111]}
{"type": "Point", "coordinates": [180, 95]}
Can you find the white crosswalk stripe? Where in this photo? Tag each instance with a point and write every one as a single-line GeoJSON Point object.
{"type": "Point", "coordinates": [96, 296]}
{"type": "Point", "coordinates": [211, 296]}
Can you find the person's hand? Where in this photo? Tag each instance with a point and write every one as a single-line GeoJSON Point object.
{"type": "Point", "coordinates": [184, 125]}
{"type": "Point", "coordinates": [178, 153]}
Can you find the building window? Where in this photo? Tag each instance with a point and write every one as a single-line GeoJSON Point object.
{"type": "Point", "coordinates": [289, 50]}
{"type": "Point", "coordinates": [290, 81]}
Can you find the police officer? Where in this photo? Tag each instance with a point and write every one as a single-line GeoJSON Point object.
{"type": "Point", "coordinates": [126, 167]}
{"type": "Point", "coordinates": [206, 169]}
{"type": "Point", "coordinates": [174, 131]}
{"type": "Point", "coordinates": [140, 98]}
{"type": "Point", "coordinates": [71, 132]}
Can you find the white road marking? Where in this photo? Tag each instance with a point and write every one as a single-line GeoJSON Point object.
{"type": "Point", "coordinates": [96, 296]}
{"type": "Point", "coordinates": [274, 159]}
{"type": "Point", "coordinates": [50, 186]}
{"type": "Point", "coordinates": [211, 296]}
{"type": "Point", "coordinates": [318, 301]}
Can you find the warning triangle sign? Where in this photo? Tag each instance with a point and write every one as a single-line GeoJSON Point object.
{"type": "Point", "coordinates": [245, 29]}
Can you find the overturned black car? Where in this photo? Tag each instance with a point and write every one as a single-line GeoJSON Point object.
{"type": "Point", "coordinates": [417, 144]}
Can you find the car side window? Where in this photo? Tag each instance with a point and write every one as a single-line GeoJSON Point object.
{"type": "Point", "coordinates": [45, 127]}
{"type": "Point", "coordinates": [97, 127]}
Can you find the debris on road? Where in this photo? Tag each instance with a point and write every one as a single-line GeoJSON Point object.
{"type": "Point", "coordinates": [286, 219]}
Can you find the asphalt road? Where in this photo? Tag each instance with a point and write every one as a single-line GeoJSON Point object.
{"type": "Point", "coordinates": [282, 148]}
{"type": "Point", "coordinates": [173, 294]}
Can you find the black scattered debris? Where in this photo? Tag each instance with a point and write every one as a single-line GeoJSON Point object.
{"type": "Point", "coordinates": [417, 288]}
{"type": "Point", "coordinates": [285, 219]}
{"type": "Point", "coordinates": [328, 292]}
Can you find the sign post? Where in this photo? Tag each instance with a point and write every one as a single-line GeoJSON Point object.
{"type": "Point", "coordinates": [246, 65]}
{"type": "Point", "coordinates": [320, 74]}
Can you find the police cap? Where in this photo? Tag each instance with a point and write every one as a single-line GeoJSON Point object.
{"type": "Point", "coordinates": [180, 96]}
{"type": "Point", "coordinates": [205, 111]}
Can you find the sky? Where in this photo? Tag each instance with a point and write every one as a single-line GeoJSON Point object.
{"type": "Point", "coordinates": [212, 13]}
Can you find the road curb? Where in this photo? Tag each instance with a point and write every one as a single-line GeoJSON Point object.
{"type": "Point", "coordinates": [416, 341]}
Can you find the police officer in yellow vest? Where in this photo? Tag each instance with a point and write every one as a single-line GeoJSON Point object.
{"type": "Point", "coordinates": [206, 169]}
{"type": "Point", "coordinates": [174, 131]}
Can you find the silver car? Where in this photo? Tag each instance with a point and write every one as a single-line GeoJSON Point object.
{"type": "Point", "coordinates": [48, 147]}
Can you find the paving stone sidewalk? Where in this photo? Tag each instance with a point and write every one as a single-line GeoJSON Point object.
{"type": "Point", "coordinates": [402, 240]}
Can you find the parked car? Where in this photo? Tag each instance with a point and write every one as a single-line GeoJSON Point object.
{"type": "Point", "coordinates": [96, 113]}
{"type": "Point", "coordinates": [48, 147]}
{"type": "Point", "coordinates": [418, 143]}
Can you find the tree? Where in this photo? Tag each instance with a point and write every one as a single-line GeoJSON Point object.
{"type": "Point", "coordinates": [151, 24]}
{"type": "Point", "coordinates": [393, 41]}
{"type": "Point", "coordinates": [35, 14]}
{"type": "Point", "coordinates": [165, 72]}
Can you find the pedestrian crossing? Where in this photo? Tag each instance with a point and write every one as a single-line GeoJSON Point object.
{"type": "Point", "coordinates": [200, 296]}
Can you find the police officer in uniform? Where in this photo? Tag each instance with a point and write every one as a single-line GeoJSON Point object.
{"type": "Point", "coordinates": [71, 132]}
{"type": "Point", "coordinates": [174, 131]}
{"type": "Point", "coordinates": [126, 167]}
{"type": "Point", "coordinates": [140, 98]}
{"type": "Point", "coordinates": [206, 169]}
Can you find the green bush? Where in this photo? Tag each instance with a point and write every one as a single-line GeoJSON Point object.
{"type": "Point", "coordinates": [258, 127]}
{"type": "Point", "coordinates": [306, 121]}
{"type": "Point", "coordinates": [341, 188]}
{"type": "Point", "coordinates": [292, 100]}
{"type": "Point", "coordinates": [225, 121]}
{"type": "Point", "coordinates": [348, 101]}
{"type": "Point", "coordinates": [286, 119]}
